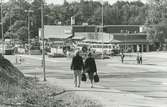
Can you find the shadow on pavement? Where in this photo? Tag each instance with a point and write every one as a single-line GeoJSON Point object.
{"type": "Point", "coordinates": [91, 90]}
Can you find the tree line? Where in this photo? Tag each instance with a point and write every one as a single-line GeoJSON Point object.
{"type": "Point", "coordinates": [15, 17]}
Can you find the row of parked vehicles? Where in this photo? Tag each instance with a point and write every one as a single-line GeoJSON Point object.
{"type": "Point", "coordinates": [98, 50]}
{"type": "Point", "coordinates": [62, 50]}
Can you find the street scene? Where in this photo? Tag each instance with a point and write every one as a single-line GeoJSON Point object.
{"type": "Point", "coordinates": [83, 53]}
{"type": "Point", "coordinates": [122, 85]}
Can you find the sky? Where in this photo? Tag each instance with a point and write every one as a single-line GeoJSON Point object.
{"type": "Point", "coordinates": [110, 1]}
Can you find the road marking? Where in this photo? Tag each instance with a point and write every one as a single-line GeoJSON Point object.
{"type": "Point", "coordinates": [163, 68]}
{"type": "Point", "coordinates": [50, 60]}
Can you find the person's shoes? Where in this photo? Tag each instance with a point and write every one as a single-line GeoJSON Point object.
{"type": "Point", "coordinates": [92, 86]}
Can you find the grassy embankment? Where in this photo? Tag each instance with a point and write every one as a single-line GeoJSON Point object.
{"type": "Point", "coordinates": [16, 90]}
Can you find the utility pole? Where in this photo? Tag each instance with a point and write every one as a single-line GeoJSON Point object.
{"type": "Point", "coordinates": [28, 26]}
{"type": "Point", "coordinates": [102, 24]}
{"type": "Point", "coordinates": [125, 40]}
{"type": "Point", "coordinates": [28, 20]}
{"type": "Point", "coordinates": [43, 43]}
{"type": "Point", "coordinates": [2, 30]}
{"type": "Point", "coordinates": [10, 24]}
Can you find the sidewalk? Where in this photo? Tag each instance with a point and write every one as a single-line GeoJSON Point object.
{"type": "Point", "coordinates": [108, 97]}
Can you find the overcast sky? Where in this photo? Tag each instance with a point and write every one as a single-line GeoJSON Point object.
{"type": "Point", "coordinates": [110, 1]}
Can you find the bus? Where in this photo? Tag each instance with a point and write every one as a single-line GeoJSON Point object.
{"type": "Point", "coordinates": [108, 49]}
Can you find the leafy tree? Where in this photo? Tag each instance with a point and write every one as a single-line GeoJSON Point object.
{"type": "Point", "coordinates": [21, 32]}
{"type": "Point", "coordinates": [121, 12]}
{"type": "Point", "coordinates": [157, 17]}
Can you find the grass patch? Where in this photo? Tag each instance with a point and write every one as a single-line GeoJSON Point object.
{"type": "Point", "coordinates": [70, 99]}
{"type": "Point", "coordinates": [16, 90]}
{"type": "Point", "coordinates": [32, 93]}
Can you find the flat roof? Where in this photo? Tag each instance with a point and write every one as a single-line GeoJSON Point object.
{"type": "Point", "coordinates": [129, 33]}
{"type": "Point", "coordinates": [53, 31]}
{"type": "Point", "coordinates": [103, 25]}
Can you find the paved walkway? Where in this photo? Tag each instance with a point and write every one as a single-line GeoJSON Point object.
{"type": "Point", "coordinates": [108, 97]}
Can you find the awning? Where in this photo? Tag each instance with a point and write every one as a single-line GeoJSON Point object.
{"type": "Point", "coordinates": [78, 38]}
{"type": "Point", "coordinates": [114, 41]}
{"type": "Point", "coordinates": [64, 36]}
{"type": "Point", "coordinates": [96, 41]}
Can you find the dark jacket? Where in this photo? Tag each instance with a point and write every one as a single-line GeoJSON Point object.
{"type": "Point", "coordinates": [77, 63]}
{"type": "Point", "coordinates": [90, 65]}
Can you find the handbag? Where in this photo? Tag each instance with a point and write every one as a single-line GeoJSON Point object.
{"type": "Point", "coordinates": [96, 78]}
{"type": "Point", "coordinates": [83, 78]}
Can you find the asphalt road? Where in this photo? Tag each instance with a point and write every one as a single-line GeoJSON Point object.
{"type": "Point", "coordinates": [148, 80]}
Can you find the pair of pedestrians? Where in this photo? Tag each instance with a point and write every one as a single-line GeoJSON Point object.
{"type": "Point", "coordinates": [78, 66]}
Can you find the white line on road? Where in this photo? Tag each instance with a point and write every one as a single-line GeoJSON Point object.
{"type": "Point", "coordinates": [40, 58]}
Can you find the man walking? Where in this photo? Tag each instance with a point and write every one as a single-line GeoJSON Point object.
{"type": "Point", "coordinates": [141, 59]}
{"type": "Point", "coordinates": [138, 59]}
{"type": "Point", "coordinates": [122, 57]}
{"type": "Point", "coordinates": [77, 66]}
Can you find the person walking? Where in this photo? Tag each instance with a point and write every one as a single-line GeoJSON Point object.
{"type": "Point", "coordinates": [77, 66]}
{"type": "Point", "coordinates": [140, 59]}
{"type": "Point", "coordinates": [122, 57]}
{"type": "Point", "coordinates": [90, 68]}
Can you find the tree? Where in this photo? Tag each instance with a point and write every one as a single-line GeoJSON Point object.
{"type": "Point", "coordinates": [14, 31]}
{"type": "Point", "coordinates": [121, 12]}
{"type": "Point", "coordinates": [21, 32]}
{"type": "Point", "coordinates": [158, 18]}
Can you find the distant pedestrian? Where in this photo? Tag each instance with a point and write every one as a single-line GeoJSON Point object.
{"type": "Point", "coordinates": [122, 57]}
{"type": "Point", "coordinates": [19, 59]}
{"type": "Point", "coordinates": [68, 53]}
{"type": "Point", "coordinates": [90, 68]}
{"type": "Point", "coordinates": [140, 59]}
{"type": "Point", "coordinates": [77, 67]}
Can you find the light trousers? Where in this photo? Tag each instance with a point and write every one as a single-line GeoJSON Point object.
{"type": "Point", "coordinates": [77, 78]}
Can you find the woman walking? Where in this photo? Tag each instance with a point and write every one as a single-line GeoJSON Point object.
{"type": "Point", "coordinates": [90, 68]}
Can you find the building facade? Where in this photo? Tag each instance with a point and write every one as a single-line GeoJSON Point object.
{"type": "Point", "coordinates": [128, 37]}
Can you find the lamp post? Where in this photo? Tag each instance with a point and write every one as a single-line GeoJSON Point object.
{"type": "Point", "coordinates": [42, 34]}
{"type": "Point", "coordinates": [28, 26]}
{"type": "Point", "coordinates": [2, 30]}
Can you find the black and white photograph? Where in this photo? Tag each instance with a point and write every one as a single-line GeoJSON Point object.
{"type": "Point", "coordinates": [83, 53]}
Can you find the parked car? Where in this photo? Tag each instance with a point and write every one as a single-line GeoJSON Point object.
{"type": "Point", "coordinates": [35, 49]}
